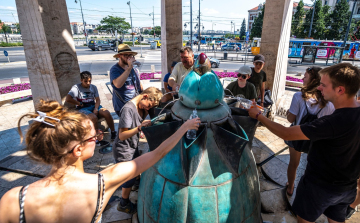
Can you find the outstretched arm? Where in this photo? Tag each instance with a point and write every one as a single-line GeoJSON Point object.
{"type": "Point", "coordinates": [122, 172]}
{"type": "Point", "coordinates": [286, 133]}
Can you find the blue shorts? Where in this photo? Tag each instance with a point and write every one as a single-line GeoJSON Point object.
{"type": "Point", "coordinates": [312, 200]}
{"type": "Point", "coordinates": [89, 109]}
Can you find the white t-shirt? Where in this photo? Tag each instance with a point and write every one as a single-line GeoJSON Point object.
{"type": "Point", "coordinates": [297, 107]}
{"type": "Point", "coordinates": [179, 73]}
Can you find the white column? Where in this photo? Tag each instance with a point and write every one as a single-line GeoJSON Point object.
{"type": "Point", "coordinates": [49, 48]}
{"type": "Point", "coordinates": [275, 45]}
{"type": "Point", "coordinates": [171, 33]}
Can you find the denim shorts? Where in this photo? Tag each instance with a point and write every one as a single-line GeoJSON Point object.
{"type": "Point", "coordinates": [312, 200]}
{"type": "Point", "coordinates": [89, 109]}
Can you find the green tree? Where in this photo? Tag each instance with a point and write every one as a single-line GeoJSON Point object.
{"type": "Point", "coordinates": [327, 20]}
{"type": "Point", "coordinates": [318, 26]}
{"type": "Point", "coordinates": [157, 31]}
{"type": "Point", "coordinates": [243, 29]}
{"type": "Point", "coordinates": [256, 29]}
{"type": "Point", "coordinates": [339, 19]}
{"type": "Point", "coordinates": [112, 23]}
{"type": "Point", "coordinates": [146, 32]}
{"type": "Point", "coordinates": [5, 29]}
{"type": "Point", "coordinates": [298, 20]}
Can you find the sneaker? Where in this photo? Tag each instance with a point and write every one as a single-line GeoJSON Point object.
{"type": "Point", "coordinates": [102, 143]}
{"type": "Point", "coordinates": [113, 135]}
{"type": "Point", "coordinates": [136, 185]}
{"type": "Point", "coordinates": [349, 212]}
{"type": "Point", "coordinates": [130, 208]}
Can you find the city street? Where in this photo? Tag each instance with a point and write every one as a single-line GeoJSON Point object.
{"type": "Point", "coordinates": [99, 62]}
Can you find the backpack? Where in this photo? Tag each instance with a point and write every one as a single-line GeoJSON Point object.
{"type": "Point", "coordinates": [304, 145]}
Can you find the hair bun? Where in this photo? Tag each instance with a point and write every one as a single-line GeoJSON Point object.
{"type": "Point", "coordinates": [52, 107]}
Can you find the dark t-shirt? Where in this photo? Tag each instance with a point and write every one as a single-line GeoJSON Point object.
{"type": "Point", "coordinates": [257, 79]}
{"type": "Point", "coordinates": [247, 92]}
{"type": "Point", "coordinates": [124, 150]}
{"type": "Point", "coordinates": [334, 156]}
{"type": "Point", "coordinates": [128, 91]}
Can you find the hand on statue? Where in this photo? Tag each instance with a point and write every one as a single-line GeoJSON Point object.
{"type": "Point", "coordinates": [253, 111]}
{"type": "Point", "coordinates": [192, 124]}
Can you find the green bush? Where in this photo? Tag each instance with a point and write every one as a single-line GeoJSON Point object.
{"type": "Point", "coordinates": [136, 43]}
{"type": "Point", "coordinates": [4, 44]}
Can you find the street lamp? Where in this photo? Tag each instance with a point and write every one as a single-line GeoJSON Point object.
{"type": "Point", "coordinates": [153, 21]}
{"type": "Point", "coordinates": [132, 32]}
{"type": "Point", "coordinates": [83, 21]}
{"type": "Point", "coordinates": [312, 18]}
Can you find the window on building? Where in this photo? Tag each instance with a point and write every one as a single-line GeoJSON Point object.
{"type": "Point", "coordinates": [358, 11]}
{"type": "Point", "coordinates": [326, 3]}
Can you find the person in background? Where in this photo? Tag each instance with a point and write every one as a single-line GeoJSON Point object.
{"type": "Point", "coordinates": [86, 98]}
{"type": "Point", "coordinates": [125, 148]}
{"type": "Point", "coordinates": [258, 77]}
{"type": "Point", "coordinates": [166, 78]}
{"type": "Point", "coordinates": [124, 80]}
{"type": "Point", "coordinates": [64, 140]}
{"type": "Point", "coordinates": [182, 69]}
{"type": "Point", "coordinates": [315, 103]}
{"type": "Point", "coordinates": [242, 88]}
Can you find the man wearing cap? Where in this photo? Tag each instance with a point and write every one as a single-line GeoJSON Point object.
{"type": "Point", "coordinates": [123, 78]}
{"type": "Point", "coordinates": [258, 77]}
{"type": "Point", "coordinates": [242, 88]}
{"type": "Point", "coordinates": [182, 69]}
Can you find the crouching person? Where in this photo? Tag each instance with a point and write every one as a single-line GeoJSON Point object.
{"type": "Point", "coordinates": [86, 98]}
{"type": "Point", "coordinates": [125, 148]}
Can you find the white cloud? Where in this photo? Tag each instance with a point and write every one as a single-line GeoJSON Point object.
{"type": "Point", "coordinates": [187, 3]}
{"type": "Point", "coordinates": [210, 11]}
{"type": "Point", "coordinates": [7, 7]}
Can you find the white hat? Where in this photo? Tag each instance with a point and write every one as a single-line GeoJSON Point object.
{"type": "Point", "coordinates": [244, 70]}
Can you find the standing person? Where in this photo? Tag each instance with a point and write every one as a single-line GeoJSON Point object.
{"type": "Point", "coordinates": [308, 101]}
{"type": "Point", "coordinates": [64, 140]}
{"type": "Point", "coordinates": [258, 77]}
{"type": "Point", "coordinates": [167, 87]}
{"type": "Point", "coordinates": [329, 183]}
{"type": "Point", "coordinates": [86, 98]}
{"type": "Point", "coordinates": [125, 147]}
{"type": "Point", "coordinates": [242, 88]}
{"type": "Point", "coordinates": [182, 69]}
{"type": "Point", "coordinates": [124, 80]}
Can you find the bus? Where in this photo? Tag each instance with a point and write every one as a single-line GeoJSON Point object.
{"type": "Point", "coordinates": [351, 50]}
{"type": "Point", "coordinates": [205, 40]}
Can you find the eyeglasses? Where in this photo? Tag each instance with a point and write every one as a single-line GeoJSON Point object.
{"type": "Point", "coordinates": [128, 55]}
{"type": "Point", "coordinates": [93, 138]}
{"type": "Point", "coordinates": [243, 76]}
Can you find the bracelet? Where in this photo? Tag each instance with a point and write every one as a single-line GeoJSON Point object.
{"type": "Point", "coordinates": [139, 128]}
{"type": "Point", "coordinates": [257, 115]}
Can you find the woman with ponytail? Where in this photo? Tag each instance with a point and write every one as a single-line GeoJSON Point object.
{"type": "Point", "coordinates": [308, 101]}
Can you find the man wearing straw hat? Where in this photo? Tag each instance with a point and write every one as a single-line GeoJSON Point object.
{"type": "Point", "coordinates": [126, 84]}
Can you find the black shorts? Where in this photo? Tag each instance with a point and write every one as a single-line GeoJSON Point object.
{"type": "Point", "coordinates": [129, 183]}
{"type": "Point", "coordinates": [312, 200]}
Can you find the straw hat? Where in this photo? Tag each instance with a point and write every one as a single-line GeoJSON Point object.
{"type": "Point", "coordinates": [124, 49]}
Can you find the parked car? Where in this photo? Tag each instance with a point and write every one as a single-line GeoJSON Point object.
{"type": "Point", "coordinates": [231, 46]}
{"type": "Point", "coordinates": [100, 45]}
{"type": "Point", "coordinates": [215, 63]}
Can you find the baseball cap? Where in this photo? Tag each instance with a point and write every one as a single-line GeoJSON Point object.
{"type": "Point", "coordinates": [244, 70]}
{"type": "Point", "coordinates": [259, 58]}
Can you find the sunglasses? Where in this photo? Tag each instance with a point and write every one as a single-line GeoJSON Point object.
{"type": "Point", "coordinates": [128, 55]}
{"type": "Point", "coordinates": [243, 76]}
{"type": "Point", "coordinates": [93, 138]}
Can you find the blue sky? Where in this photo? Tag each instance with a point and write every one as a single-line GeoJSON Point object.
{"type": "Point", "coordinates": [214, 13]}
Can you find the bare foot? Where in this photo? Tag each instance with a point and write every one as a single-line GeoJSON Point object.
{"type": "Point", "coordinates": [289, 190]}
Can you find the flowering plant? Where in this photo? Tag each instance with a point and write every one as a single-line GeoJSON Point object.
{"type": "Point", "coordinates": [147, 76]}
{"type": "Point", "coordinates": [288, 78]}
{"type": "Point", "coordinates": [15, 88]}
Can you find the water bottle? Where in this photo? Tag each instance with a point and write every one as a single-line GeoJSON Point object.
{"type": "Point", "coordinates": [191, 134]}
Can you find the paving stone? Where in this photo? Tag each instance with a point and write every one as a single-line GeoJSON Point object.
{"type": "Point", "coordinates": [267, 185]}
{"type": "Point", "coordinates": [283, 217]}
{"type": "Point", "coordinates": [273, 201]}
{"type": "Point", "coordinates": [259, 154]}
